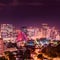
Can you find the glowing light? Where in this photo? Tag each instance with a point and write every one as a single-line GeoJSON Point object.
{"type": "Point", "coordinates": [44, 32]}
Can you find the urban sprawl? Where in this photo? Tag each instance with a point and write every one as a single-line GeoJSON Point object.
{"type": "Point", "coordinates": [29, 43]}
{"type": "Point", "coordinates": [9, 32]}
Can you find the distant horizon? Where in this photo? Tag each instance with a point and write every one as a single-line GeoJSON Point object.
{"type": "Point", "coordinates": [31, 15]}
{"type": "Point", "coordinates": [17, 26]}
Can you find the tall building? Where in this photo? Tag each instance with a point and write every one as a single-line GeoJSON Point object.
{"type": "Point", "coordinates": [7, 32]}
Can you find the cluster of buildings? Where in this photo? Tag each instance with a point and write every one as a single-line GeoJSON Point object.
{"type": "Point", "coordinates": [9, 32]}
{"type": "Point", "coordinates": [44, 31]}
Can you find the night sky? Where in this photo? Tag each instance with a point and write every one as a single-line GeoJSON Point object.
{"type": "Point", "coordinates": [30, 12]}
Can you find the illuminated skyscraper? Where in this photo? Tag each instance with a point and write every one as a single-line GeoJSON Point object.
{"type": "Point", "coordinates": [7, 31]}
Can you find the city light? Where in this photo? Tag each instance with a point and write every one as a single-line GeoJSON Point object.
{"type": "Point", "coordinates": [45, 31]}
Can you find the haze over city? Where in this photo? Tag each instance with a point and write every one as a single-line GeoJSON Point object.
{"type": "Point", "coordinates": [21, 12]}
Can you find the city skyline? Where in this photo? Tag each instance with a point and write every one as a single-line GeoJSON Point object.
{"type": "Point", "coordinates": [9, 31]}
